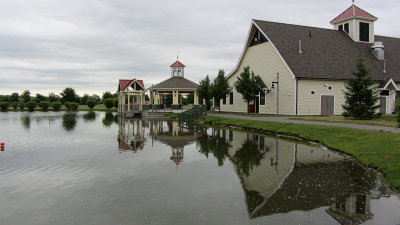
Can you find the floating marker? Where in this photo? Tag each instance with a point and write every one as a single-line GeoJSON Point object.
{"type": "Point", "coordinates": [2, 146]}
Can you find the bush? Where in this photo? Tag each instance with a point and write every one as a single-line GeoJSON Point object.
{"type": "Point", "coordinates": [109, 103]}
{"type": "Point", "coordinates": [4, 105]}
{"type": "Point", "coordinates": [31, 105]}
{"type": "Point", "coordinates": [44, 105]}
{"type": "Point", "coordinates": [21, 106]}
{"type": "Point", "coordinates": [67, 105]}
{"type": "Point", "coordinates": [56, 105]}
{"type": "Point", "coordinates": [116, 103]}
{"type": "Point", "coordinates": [14, 105]}
{"type": "Point", "coordinates": [74, 106]}
{"type": "Point", "coordinates": [91, 103]}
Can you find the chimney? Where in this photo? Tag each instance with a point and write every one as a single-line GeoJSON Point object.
{"type": "Point", "coordinates": [378, 50]}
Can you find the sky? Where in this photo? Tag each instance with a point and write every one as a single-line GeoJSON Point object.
{"type": "Point", "coordinates": [47, 45]}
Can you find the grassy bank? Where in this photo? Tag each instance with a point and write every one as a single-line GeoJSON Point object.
{"type": "Point", "coordinates": [100, 107]}
{"type": "Point", "coordinates": [376, 149]}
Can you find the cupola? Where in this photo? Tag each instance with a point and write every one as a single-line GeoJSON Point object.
{"type": "Point", "coordinates": [357, 23]}
{"type": "Point", "coordinates": [177, 68]}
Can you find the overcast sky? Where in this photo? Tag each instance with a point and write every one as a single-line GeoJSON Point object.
{"type": "Point", "coordinates": [47, 45]}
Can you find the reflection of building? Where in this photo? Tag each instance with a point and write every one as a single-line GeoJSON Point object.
{"type": "Point", "coordinates": [174, 135]}
{"type": "Point", "coordinates": [130, 134]}
{"type": "Point", "coordinates": [278, 176]}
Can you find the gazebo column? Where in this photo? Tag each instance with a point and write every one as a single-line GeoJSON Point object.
{"type": "Point", "coordinates": [175, 100]}
{"type": "Point", "coordinates": [196, 98]}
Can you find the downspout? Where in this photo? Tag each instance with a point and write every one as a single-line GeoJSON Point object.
{"type": "Point", "coordinates": [297, 94]}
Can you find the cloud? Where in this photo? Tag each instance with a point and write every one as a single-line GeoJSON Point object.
{"type": "Point", "coordinates": [47, 45]}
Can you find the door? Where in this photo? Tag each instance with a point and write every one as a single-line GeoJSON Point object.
{"type": "Point", "coordinates": [327, 104]}
{"type": "Point", "coordinates": [257, 105]}
{"type": "Point", "coordinates": [382, 108]}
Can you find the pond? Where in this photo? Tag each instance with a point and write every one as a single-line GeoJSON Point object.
{"type": "Point", "coordinates": [96, 168]}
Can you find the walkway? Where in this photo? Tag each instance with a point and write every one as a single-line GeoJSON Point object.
{"type": "Point", "coordinates": [289, 120]}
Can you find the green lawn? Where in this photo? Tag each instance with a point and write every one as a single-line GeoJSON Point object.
{"type": "Point", "coordinates": [376, 149]}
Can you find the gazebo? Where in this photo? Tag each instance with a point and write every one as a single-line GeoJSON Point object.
{"type": "Point", "coordinates": [177, 85]}
{"type": "Point", "coordinates": [131, 97]}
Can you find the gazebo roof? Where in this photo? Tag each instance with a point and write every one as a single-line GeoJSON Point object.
{"type": "Point", "coordinates": [177, 64]}
{"type": "Point", "coordinates": [175, 83]}
{"type": "Point", "coordinates": [124, 84]}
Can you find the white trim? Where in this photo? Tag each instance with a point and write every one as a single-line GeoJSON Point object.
{"type": "Point", "coordinates": [320, 102]}
{"type": "Point", "coordinates": [246, 46]}
{"type": "Point", "coordinates": [391, 82]}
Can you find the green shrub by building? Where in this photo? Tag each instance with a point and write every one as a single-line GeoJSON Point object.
{"type": "Point", "coordinates": [14, 105]}
{"type": "Point", "coordinates": [116, 103]}
{"type": "Point", "coordinates": [4, 106]}
{"type": "Point", "coordinates": [109, 103]}
{"type": "Point", "coordinates": [31, 105]}
{"type": "Point", "coordinates": [398, 111]}
{"type": "Point", "coordinates": [91, 103]}
{"type": "Point", "coordinates": [21, 106]}
{"type": "Point", "coordinates": [44, 105]}
{"type": "Point", "coordinates": [56, 105]}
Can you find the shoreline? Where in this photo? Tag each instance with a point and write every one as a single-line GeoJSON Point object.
{"type": "Point", "coordinates": [374, 149]}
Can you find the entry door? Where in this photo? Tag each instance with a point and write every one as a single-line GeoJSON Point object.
{"type": "Point", "coordinates": [382, 108]}
{"type": "Point", "coordinates": [327, 104]}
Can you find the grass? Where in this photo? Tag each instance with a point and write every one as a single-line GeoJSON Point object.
{"type": "Point", "coordinates": [376, 149]}
{"type": "Point", "coordinates": [387, 121]}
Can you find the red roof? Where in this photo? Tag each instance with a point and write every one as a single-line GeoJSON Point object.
{"type": "Point", "coordinates": [124, 84]}
{"type": "Point", "coordinates": [177, 64]}
{"type": "Point", "coordinates": [353, 12]}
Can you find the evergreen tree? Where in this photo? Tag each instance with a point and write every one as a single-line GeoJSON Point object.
{"type": "Point", "coordinates": [360, 94]}
{"type": "Point", "coordinates": [249, 85]}
{"type": "Point", "coordinates": [220, 88]}
{"type": "Point", "coordinates": [204, 90]}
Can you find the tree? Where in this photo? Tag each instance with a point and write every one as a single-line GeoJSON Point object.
{"type": "Point", "coordinates": [53, 97]}
{"type": "Point", "coordinates": [26, 96]}
{"type": "Point", "coordinates": [14, 105]}
{"type": "Point", "coordinates": [31, 105]}
{"type": "Point", "coordinates": [44, 105]}
{"type": "Point", "coordinates": [56, 105]}
{"type": "Point", "coordinates": [41, 98]}
{"type": "Point", "coordinates": [4, 105]}
{"type": "Point", "coordinates": [249, 85]}
{"type": "Point", "coordinates": [83, 99]}
{"type": "Point", "coordinates": [204, 90]}
{"type": "Point", "coordinates": [14, 97]}
{"type": "Point", "coordinates": [220, 88]}
{"type": "Point", "coordinates": [68, 95]}
{"type": "Point", "coordinates": [91, 103]}
{"type": "Point", "coordinates": [360, 94]}
{"type": "Point", "coordinates": [109, 103]}
{"type": "Point", "coordinates": [106, 95]}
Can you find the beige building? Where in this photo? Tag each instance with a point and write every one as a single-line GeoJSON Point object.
{"type": "Point", "coordinates": [305, 68]}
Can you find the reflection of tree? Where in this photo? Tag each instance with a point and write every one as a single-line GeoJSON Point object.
{"type": "Point", "coordinates": [26, 122]}
{"type": "Point", "coordinates": [214, 144]}
{"type": "Point", "coordinates": [69, 121]}
{"type": "Point", "coordinates": [89, 116]}
{"type": "Point", "coordinates": [109, 118]}
{"type": "Point", "coordinates": [247, 156]}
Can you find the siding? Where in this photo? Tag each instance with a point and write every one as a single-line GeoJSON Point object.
{"type": "Point", "coordinates": [266, 62]}
{"type": "Point", "coordinates": [309, 104]}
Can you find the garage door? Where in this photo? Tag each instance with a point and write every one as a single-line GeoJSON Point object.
{"type": "Point", "coordinates": [327, 104]}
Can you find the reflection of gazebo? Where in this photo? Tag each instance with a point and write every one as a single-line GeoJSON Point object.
{"type": "Point", "coordinates": [130, 135]}
{"type": "Point", "coordinates": [176, 85]}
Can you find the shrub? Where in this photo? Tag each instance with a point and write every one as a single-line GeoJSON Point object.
{"type": "Point", "coordinates": [68, 105]}
{"type": "Point", "coordinates": [56, 105]}
{"type": "Point", "coordinates": [14, 105]}
{"type": "Point", "coordinates": [91, 103]}
{"type": "Point", "coordinates": [21, 106]}
{"type": "Point", "coordinates": [4, 105]}
{"type": "Point", "coordinates": [109, 103]}
{"type": "Point", "coordinates": [44, 105]}
{"type": "Point", "coordinates": [74, 106]}
{"type": "Point", "coordinates": [31, 105]}
{"type": "Point", "coordinates": [116, 103]}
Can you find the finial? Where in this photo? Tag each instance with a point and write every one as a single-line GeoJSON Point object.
{"type": "Point", "coordinates": [177, 56]}
{"type": "Point", "coordinates": [353, 2]}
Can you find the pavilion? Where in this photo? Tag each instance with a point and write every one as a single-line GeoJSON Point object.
{"type": "Point", "coordinates": [177, 85]}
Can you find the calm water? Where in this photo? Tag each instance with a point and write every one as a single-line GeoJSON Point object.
{"type": "Point", "coordinates": [91, 168]}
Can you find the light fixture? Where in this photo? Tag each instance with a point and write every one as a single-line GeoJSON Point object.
{"type": "Point", "coordinates": [273, 86]}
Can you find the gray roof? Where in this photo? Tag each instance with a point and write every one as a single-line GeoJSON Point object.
{"type": "Point", "coordinates": [175, 83]}
{"type": "Point", "coordinates": [329, 54]}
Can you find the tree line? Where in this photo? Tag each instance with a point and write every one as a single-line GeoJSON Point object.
{"type": "Point", "coordinates": [68, 97]}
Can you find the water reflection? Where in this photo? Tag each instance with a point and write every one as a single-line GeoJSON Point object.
{"type": "Point", "coordinates": [89, 116]}
{"type": "Point", "coordinates": [109, 119]}
{"type": "Point", "coordinates": [130, 135]}
{"type": "Point", "coordinates": [279, 176]}
{"type": "Point", "coordinates": [26, 122]}
{"type": "Point", "coordinates": [69, 121]}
